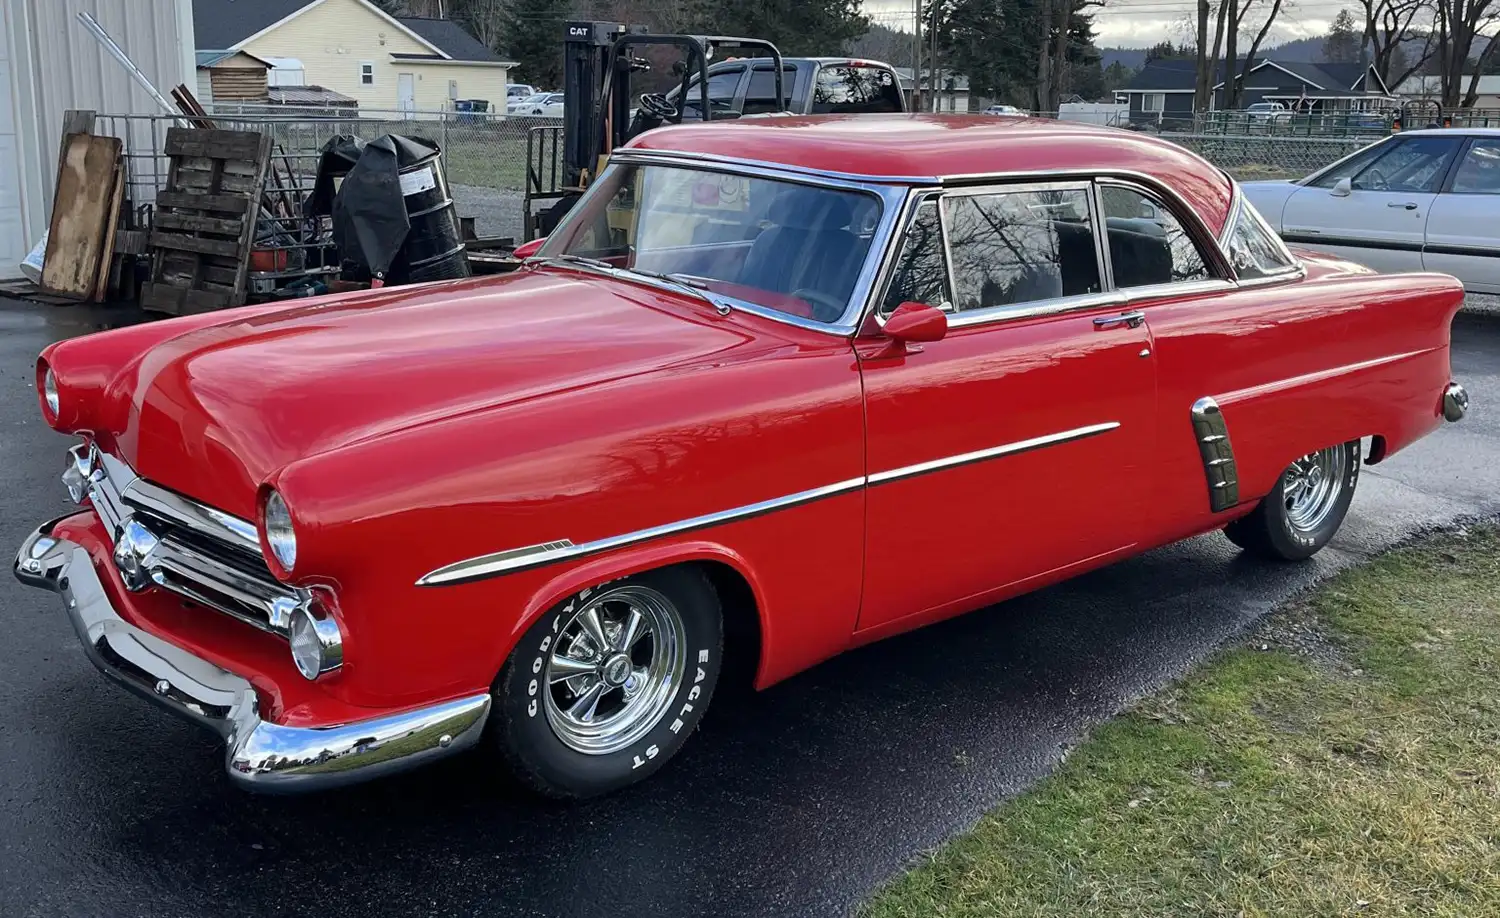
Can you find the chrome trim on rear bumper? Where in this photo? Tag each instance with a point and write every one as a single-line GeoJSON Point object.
{"type": "Point", "coordinates": [261, 756]}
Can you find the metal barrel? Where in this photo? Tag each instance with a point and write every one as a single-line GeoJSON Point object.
{"type": "Point", "coordinates": [434, 247]}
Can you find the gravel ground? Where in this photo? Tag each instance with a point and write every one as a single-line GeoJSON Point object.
{"type": "Point", "coordinates": [498, 211]}
{"type": "Point", "coordinates": [1482, 303]}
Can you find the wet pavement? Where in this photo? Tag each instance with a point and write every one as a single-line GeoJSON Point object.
{"type": "Point", "coordinates": [797, 801]}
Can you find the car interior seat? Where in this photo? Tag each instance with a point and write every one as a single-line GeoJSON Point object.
{"type": "Point", "coordinates": [807, 246]}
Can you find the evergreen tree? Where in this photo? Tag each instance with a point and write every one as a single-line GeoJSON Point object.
{"type": "Point", "coordinates": [1341, 44]}
{"type": "Point", "coordinates": [796, 27]}
{"type": "Point", "coordinates": [533, 37]}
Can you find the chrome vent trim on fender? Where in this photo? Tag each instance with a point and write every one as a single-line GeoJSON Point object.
{"type": "Point", "coordinates": [1212, 435]}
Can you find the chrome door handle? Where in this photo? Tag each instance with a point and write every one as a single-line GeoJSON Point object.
{"type": "Point", "coordinates": [1134, 319]}
{"type": "Point", "coordinates": [1409, 205]}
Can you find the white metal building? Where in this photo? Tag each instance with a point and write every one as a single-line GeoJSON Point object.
{"type": "Point", "coordinates": [48, 64]}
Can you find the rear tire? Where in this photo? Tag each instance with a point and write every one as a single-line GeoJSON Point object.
{"type": "Point", "coordinates": [1305, 508]}
{"type": "Point", "coordinates": [579, 720]}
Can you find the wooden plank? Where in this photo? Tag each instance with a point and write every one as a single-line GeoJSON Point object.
{"type": "Point", "coordinates": [224, 203]}
{"type": "Point", "coordinates": [81, 205]}
{"type": "Point", "coordinates": [262, 159]}
{"type": "Point", "coordinates": [225, 247]}
{"type": "Point", "coordinates": [75, 121]}
{"type": "Point", "coordinates": [131, 242]}
{"type": "Point", "coordinates": [107, 252]}
{"type": "Point", "coordinates": [215, 144]}
{"type": "Point", "coordinates": [192, 223]}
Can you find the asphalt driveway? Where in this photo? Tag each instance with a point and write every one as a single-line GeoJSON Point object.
{"type": "Point", "coordinates": [797, 801]}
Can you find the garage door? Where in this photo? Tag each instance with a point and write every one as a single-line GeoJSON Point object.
{"type": "Point", "coordinates": [13, 244]}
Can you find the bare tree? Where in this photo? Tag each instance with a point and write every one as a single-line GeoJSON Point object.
{"type": "Point", "coordinates": [1208, 55]}
{"type": "Point", "coordinates": [1389, 27]}
{"type": "Point", "coordinates": [1242, 12]}
{"type": "Point", "coordinates": [1055, 16]}
{"type": "Point", "coordinates": [1459, 22]}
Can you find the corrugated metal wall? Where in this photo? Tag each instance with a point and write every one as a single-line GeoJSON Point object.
{"type": "Point", "coordinates": [62, 67]}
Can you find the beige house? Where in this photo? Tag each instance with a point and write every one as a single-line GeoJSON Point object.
{"type": "Point", "coordinates": [354, 48]}
{"type": "Point", "coordinates": [1431, 87]}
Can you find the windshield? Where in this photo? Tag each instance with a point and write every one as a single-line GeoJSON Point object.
{"type": "Point", "coordinates": [790, 247]}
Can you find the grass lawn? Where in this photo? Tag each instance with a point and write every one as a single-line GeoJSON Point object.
{"type": "Point", "coordinates": [1344, 761]}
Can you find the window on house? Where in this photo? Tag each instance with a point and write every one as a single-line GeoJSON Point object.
{"type": "Point", "coordinates": [1152, 101]}
{"type": "Point", "coordinates": [367, 73]}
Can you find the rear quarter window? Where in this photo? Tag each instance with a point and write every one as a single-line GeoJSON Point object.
{"type": "Point", "coordinates": [1253, 249]}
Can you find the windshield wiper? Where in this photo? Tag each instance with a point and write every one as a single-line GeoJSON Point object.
{"type": "Point", "coordinates": [683, 283]}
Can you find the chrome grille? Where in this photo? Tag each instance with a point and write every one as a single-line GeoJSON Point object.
{"type": "Point", "coordinates": [208, 556]}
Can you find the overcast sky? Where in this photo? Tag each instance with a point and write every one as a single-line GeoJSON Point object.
{"type": "Point", "coordinates": [1139, 23]}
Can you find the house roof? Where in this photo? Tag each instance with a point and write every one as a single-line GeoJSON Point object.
{"type": "Point", "coordinates": [211, 58]}
{"type": "Point", "coordinates": [309, 96]}
{"type": "Point", "coordinates": [1181, 75]}
{"type": "Point", "coordinates": [451, 38]}
{"type": "Point", "coordinates": [228, 23]}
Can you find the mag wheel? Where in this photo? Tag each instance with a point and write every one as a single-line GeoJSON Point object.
{"type": "Point", "coordinates": [1305, 507]}
{"type": "Point", "coordinates": [610, 683]}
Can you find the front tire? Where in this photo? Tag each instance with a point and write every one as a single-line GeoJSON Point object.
{"type": "Point", "coordinates": [607, 686]}
{"type": "Point", "coordinates": [1305, 508]}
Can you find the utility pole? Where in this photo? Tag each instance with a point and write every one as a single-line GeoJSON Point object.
{"type": "Point", "coordinates": [932, 63]}
{"type": "Point", "coordinates": [916, 56]}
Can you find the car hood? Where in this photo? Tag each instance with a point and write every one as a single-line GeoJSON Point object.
{"type": "Point", "coordinates": [212, 412]}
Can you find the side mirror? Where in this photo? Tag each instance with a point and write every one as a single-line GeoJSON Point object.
{"type": "Point", "coordinates": [528, 249]}
{"type": "Point", "coordinates": [1342, 187]}
{"type": "Point", "coordinates": [916, 322]}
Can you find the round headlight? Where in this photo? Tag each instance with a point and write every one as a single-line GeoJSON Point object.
{"type": "Point", "coordinates": [317, 644]}
{"type": "Point", "coordinates": [279, 535]}
{"type": "Point", "coordinates": [49, 392]}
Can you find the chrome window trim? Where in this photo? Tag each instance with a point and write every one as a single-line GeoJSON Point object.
{"type": "Point", "coordinates": [1151, 292]}
{"type": "Point", "coordinates": [892, 199]}
{"type": "Point", "coordinates": [699, 160]}
{"type": "Point", "coordinates": [1239, 207]}
{"type": "Point", "coordinates": [1053, 307]}
{"type": "Point", "coordinates": [1101, 239]}
{"type": "Point", "coordinates": [1217, 261]}
{"type": "Point", "coordinates": [514, 560]}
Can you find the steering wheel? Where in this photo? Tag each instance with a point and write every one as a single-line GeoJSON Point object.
{"type": "Point", "coordinates": [825, 308]}
{"type": "Point", "coordinates": [659, 106]}
{"type": "Point", "coordinates": [1374, 180]}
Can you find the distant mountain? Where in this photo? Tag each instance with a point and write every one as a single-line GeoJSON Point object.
{"type": "Point", "coordinates": [1302, 51]}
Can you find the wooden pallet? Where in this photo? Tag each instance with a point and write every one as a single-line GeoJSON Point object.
{"type": "Point", "coordinates": [205, 220]}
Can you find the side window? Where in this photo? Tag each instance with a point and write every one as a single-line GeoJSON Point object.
{"type": "Point", "coordinates": [921, 273]}
{"type": "Point", "coordinates": [760, 97]}
{"type": "Point", "coordinates": [1147, 245]}
{"type": "Point", "coordinates": [1354, 164]}
{"type": "Point", "coordinates": [722, 87]}
{"type": "Point", "coordinates": [1252, 250]}
{"type": "Point", "coordinates": [1016, 247]}
{"type": "Point", "coordinates": [1415, 166]}
{"type": "Point", "coordinates": [854, 89]}
{"type": "Point", "coordinates": [1479, 170]}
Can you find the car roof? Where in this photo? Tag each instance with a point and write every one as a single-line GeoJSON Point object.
{"type": "Point", "coordinates": [920, 148]}
{"type": "Point", "coordinates": [1447, 132]}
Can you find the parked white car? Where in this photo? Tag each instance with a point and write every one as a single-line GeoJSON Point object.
{"type": "Point", "coordinates": [1419, 200]}
{"type": "Point", "coordinates": [1267, 111]}
{"type": "Point", "coordinates": [1003, 110]}
{"type": "Point", "coordinates": [546, 105]}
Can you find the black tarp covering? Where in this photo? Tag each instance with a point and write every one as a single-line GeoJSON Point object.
{"type": "Point", "coordinates": [370, 222]}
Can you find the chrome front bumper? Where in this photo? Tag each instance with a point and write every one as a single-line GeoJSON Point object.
{"type": "Point", "coordinates": [261, 756]}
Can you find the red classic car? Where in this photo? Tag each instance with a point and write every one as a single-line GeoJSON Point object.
{"type": "Point", "coordinates": [773, 389]}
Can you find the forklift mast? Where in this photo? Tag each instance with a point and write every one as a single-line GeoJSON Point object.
{"type": "Point", "coordinates": [586, 60]}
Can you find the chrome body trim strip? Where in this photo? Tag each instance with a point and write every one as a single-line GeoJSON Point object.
{"type": "Point", "coordinates": [206, 520]}
{"type": "Point", "coordinates": [994, 452]}
{"type": "Point", "coordinates": [512, 560]}
{"type": "Point", "coordinates": [1175, 291]}
{"type": "Point", "coordinates": [259, 756]}
{"type": "Point", "coordinates": [1280, 385]}
{"type": "Point", "coordinates": [1054, 307]}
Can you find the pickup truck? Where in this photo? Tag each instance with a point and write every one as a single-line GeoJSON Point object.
{"type": "Point", "coordinates": [814, 86]}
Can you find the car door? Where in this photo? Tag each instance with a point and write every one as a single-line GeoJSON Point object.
{"type": "Point", "coordinates": [1463, 230]}
{"type": "Point", "coordinates": [1378, 217]}
{"type": "Point", "coordinates": [723, 93]}
{"type": "Point", "coordinates": [1019, 448]}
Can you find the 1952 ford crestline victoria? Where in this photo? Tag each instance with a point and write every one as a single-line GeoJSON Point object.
{"type": "Point", "coordinates": [773, 389]}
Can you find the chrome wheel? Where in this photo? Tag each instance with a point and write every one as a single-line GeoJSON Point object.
{"type": "Point", "coordinates": [1312, 487]}
{"type": "Point", "coordinates": [613, 669]}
